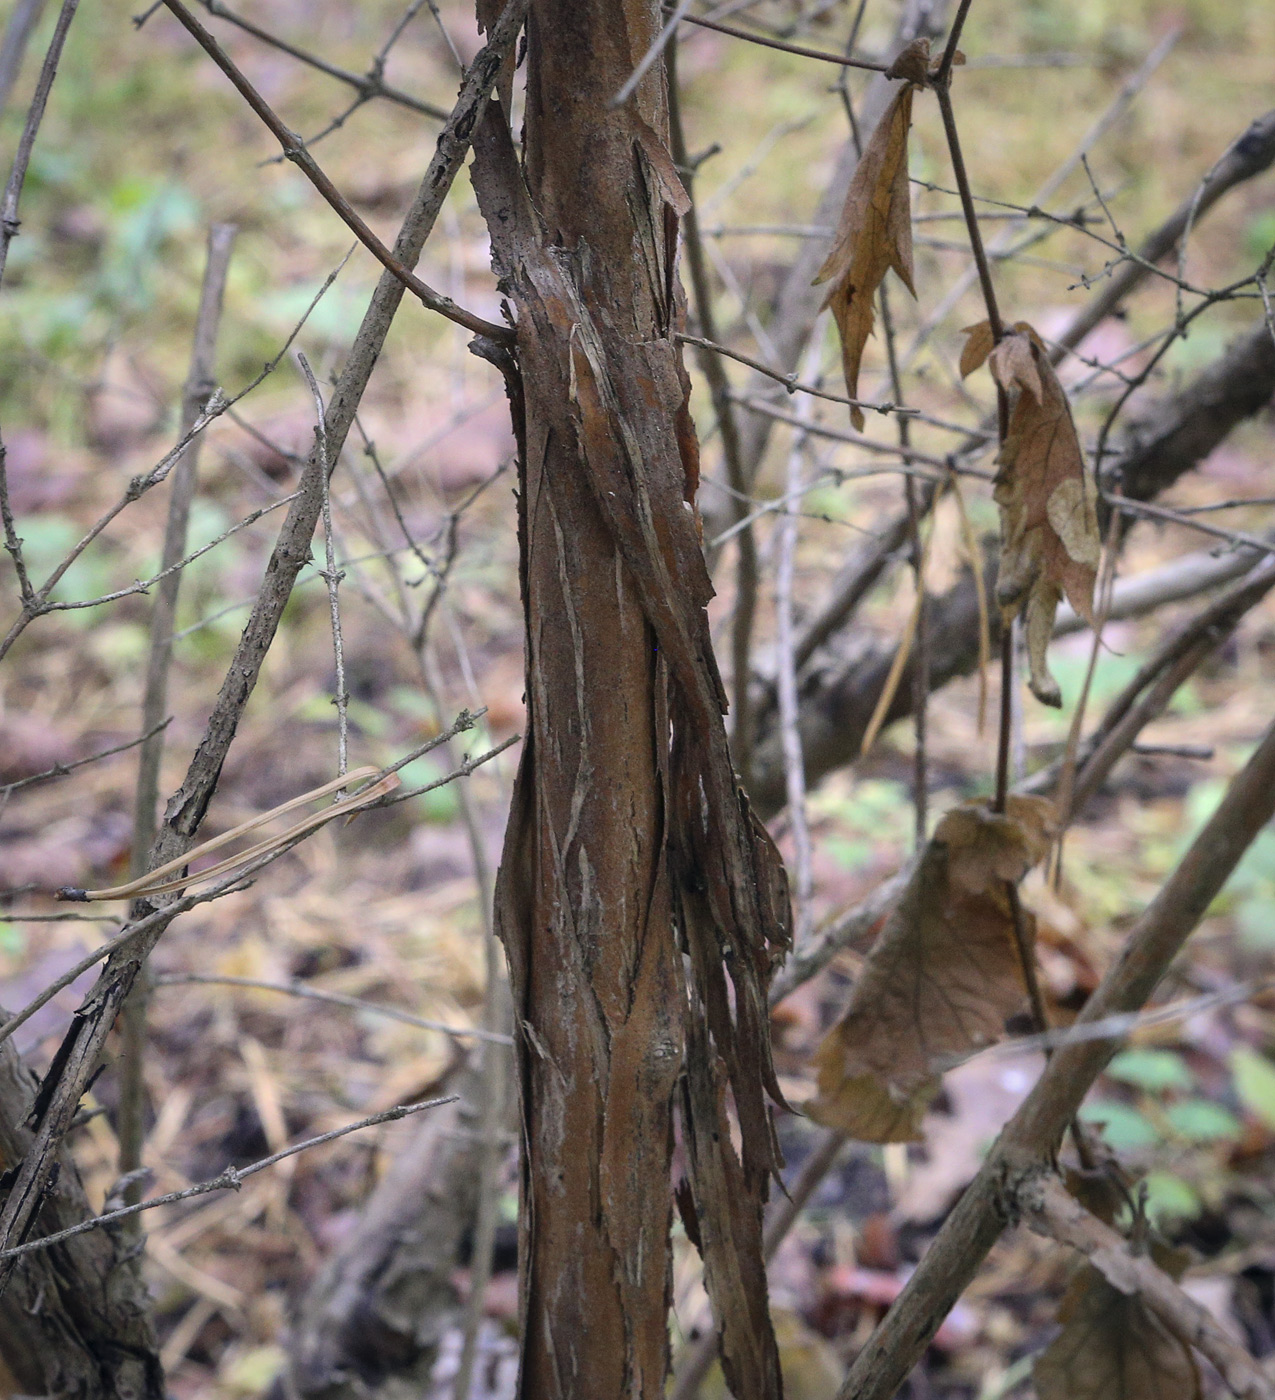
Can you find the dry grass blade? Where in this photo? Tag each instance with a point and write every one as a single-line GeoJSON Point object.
{"type": "Point", "coordinates": [155, 881]}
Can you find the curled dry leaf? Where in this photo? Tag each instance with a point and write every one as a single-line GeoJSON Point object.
{"type": "Point", "coordinates": [942, 978]}
{"type": "Point", "coordinates": [912, 62]}
{"type": "Point", "coordinates": [1113, 1347]}
{"type": "Point", "coordinates": [874, 235]}
{"type": "Point", "coordinates": [1050, 544]}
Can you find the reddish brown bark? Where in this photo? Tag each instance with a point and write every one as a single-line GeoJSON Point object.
{"type": "Point", "coordinates": [641, 904]}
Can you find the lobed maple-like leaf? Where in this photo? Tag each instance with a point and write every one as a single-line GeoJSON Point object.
{"type": "Point", "coordinates": [874, 235]}
{"type": "Point", "coordinates": [1050, 544]}
{"type": "Point", "coordinates": [942, 978]}
{"type": "Point", "coordinates": [1113, 1347]}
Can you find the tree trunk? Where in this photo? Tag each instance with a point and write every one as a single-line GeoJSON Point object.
{"type": "Point", "coordinates": [635, 883]}
{"type": "Point", "coordinates": [75, 1318]}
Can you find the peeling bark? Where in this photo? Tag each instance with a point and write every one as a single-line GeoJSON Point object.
{"type": "Point", "coordinates": [641, 904]}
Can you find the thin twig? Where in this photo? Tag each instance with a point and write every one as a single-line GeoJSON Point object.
{"type": "Point", "coordinates": [38, 604]}
{"type": "Point", "coordinates": [643, 67]}
{"type": "Point", "coordinates": [200, 384]}
{"type": "Point", "coordinates": [80, 1053]}
{"type": "Point", "coordinates": [944, 71]}
{"type": "Point", "coordinates": [1128, 91]}
{"type": "Point", "coordinates": [1050, 1210]}
{"type": "Point", "coordinates": [921, 644]}
{"type": "Point", "coordinates": [12, 541]}
{"type": "Point", "coordinates": [790, 381]}
{"type": "Point", "coordinates": [976, 1223]}
{"type": "Point", "coordinates": [17, 33]}
{"type": "Point", "coordinates": [368, 85]}
{"type": "Point", "coordinates": [910, 455]}
{"type": "Point", "coordinates": [754, 38]}
{"type": "Point", "coordinates": [297, 153]}
{"type": "Point", "coordinates": [331, 576]}
{"type": "Point", "coordinates": [943, 92]}
{"type": "Point", "coordinates": [229, 1180]}
{"type": "Point", "coordinates": [26, 142]}
{"type": "Point", "coordinates": [746, 571]}
{"type": "Point", "coordinates": [967, 205]}
{"type": "Point", "coordinates": [1157, 512]}
{"type": "Point", "coordinates": [297, 988]}
{"type": "Point", "coordinates": [789, 713]}
{"type": "Point", "coordinates": [143, 586]}
{"type": "Point", "coordinates": [1120, 1026]}
{"type": "Point", "coordinates": [60, 770]}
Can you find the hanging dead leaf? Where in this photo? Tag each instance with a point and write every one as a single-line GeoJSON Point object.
{"type": "Point", "coordinates": [978, 346]}
{"type": "Point", "coordinates": [986, 848]}
{"type": "Point", "coordinates": [864, 1105]}
{"type": "Point", "coordinates": [1050, 545]}
{"type": "Point", "coordinates": [941, 980]}
{"type": "Point", "coordinates": [874, 235]}
{"type": "Point", "coordinates": [912, 62]}
{"type": "Point", "coordinates": [1113, 1347]}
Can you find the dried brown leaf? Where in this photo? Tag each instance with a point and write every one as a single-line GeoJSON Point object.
{"type": "Point", "coordinates": [1098, 1190]}
{"type": "Point", "coordinates": [978, 346]}
{"type": "Point", "coordinates": [1013, 365]}
{"type": "Point", "coordinates": [912, 63]}
{"type": "Point", "coordinates": [874, 235]}
{"type": "Point", "coordinates": [941, 980]}
{"type": "Point", "coordinates": [986, 848]}
{"type": "Point", "coordinates": [865, 1106]}
{"type": "Point", "coordinates": [1113, 1347]}
{"type": "Point", "coordinates": [1050, 544]}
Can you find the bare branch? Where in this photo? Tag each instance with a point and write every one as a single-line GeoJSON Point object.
{"type": "Point", "coordinates": [1051, 1211]}
{"type": "Point", "coordinates": [754, 38]}
{"type": "Point", "coordinates": [60, 770]}
{"type": "Point", "coordinates": [297, 988]}
{"type": "Point", "coordinates": [17, 33]}
{"type": "Point", "coordinates": [331, 577]}
{"type": "Point", "coordinates": [311, 169]}
{"type": "Point", "coordinates": [368, 86]}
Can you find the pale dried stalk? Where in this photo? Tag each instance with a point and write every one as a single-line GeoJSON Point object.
{"type": "Point", "coordinates": [184, 476]}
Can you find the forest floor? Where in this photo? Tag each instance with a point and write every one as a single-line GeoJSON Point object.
{"type": "Point", "coordinates": [144, 146]}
